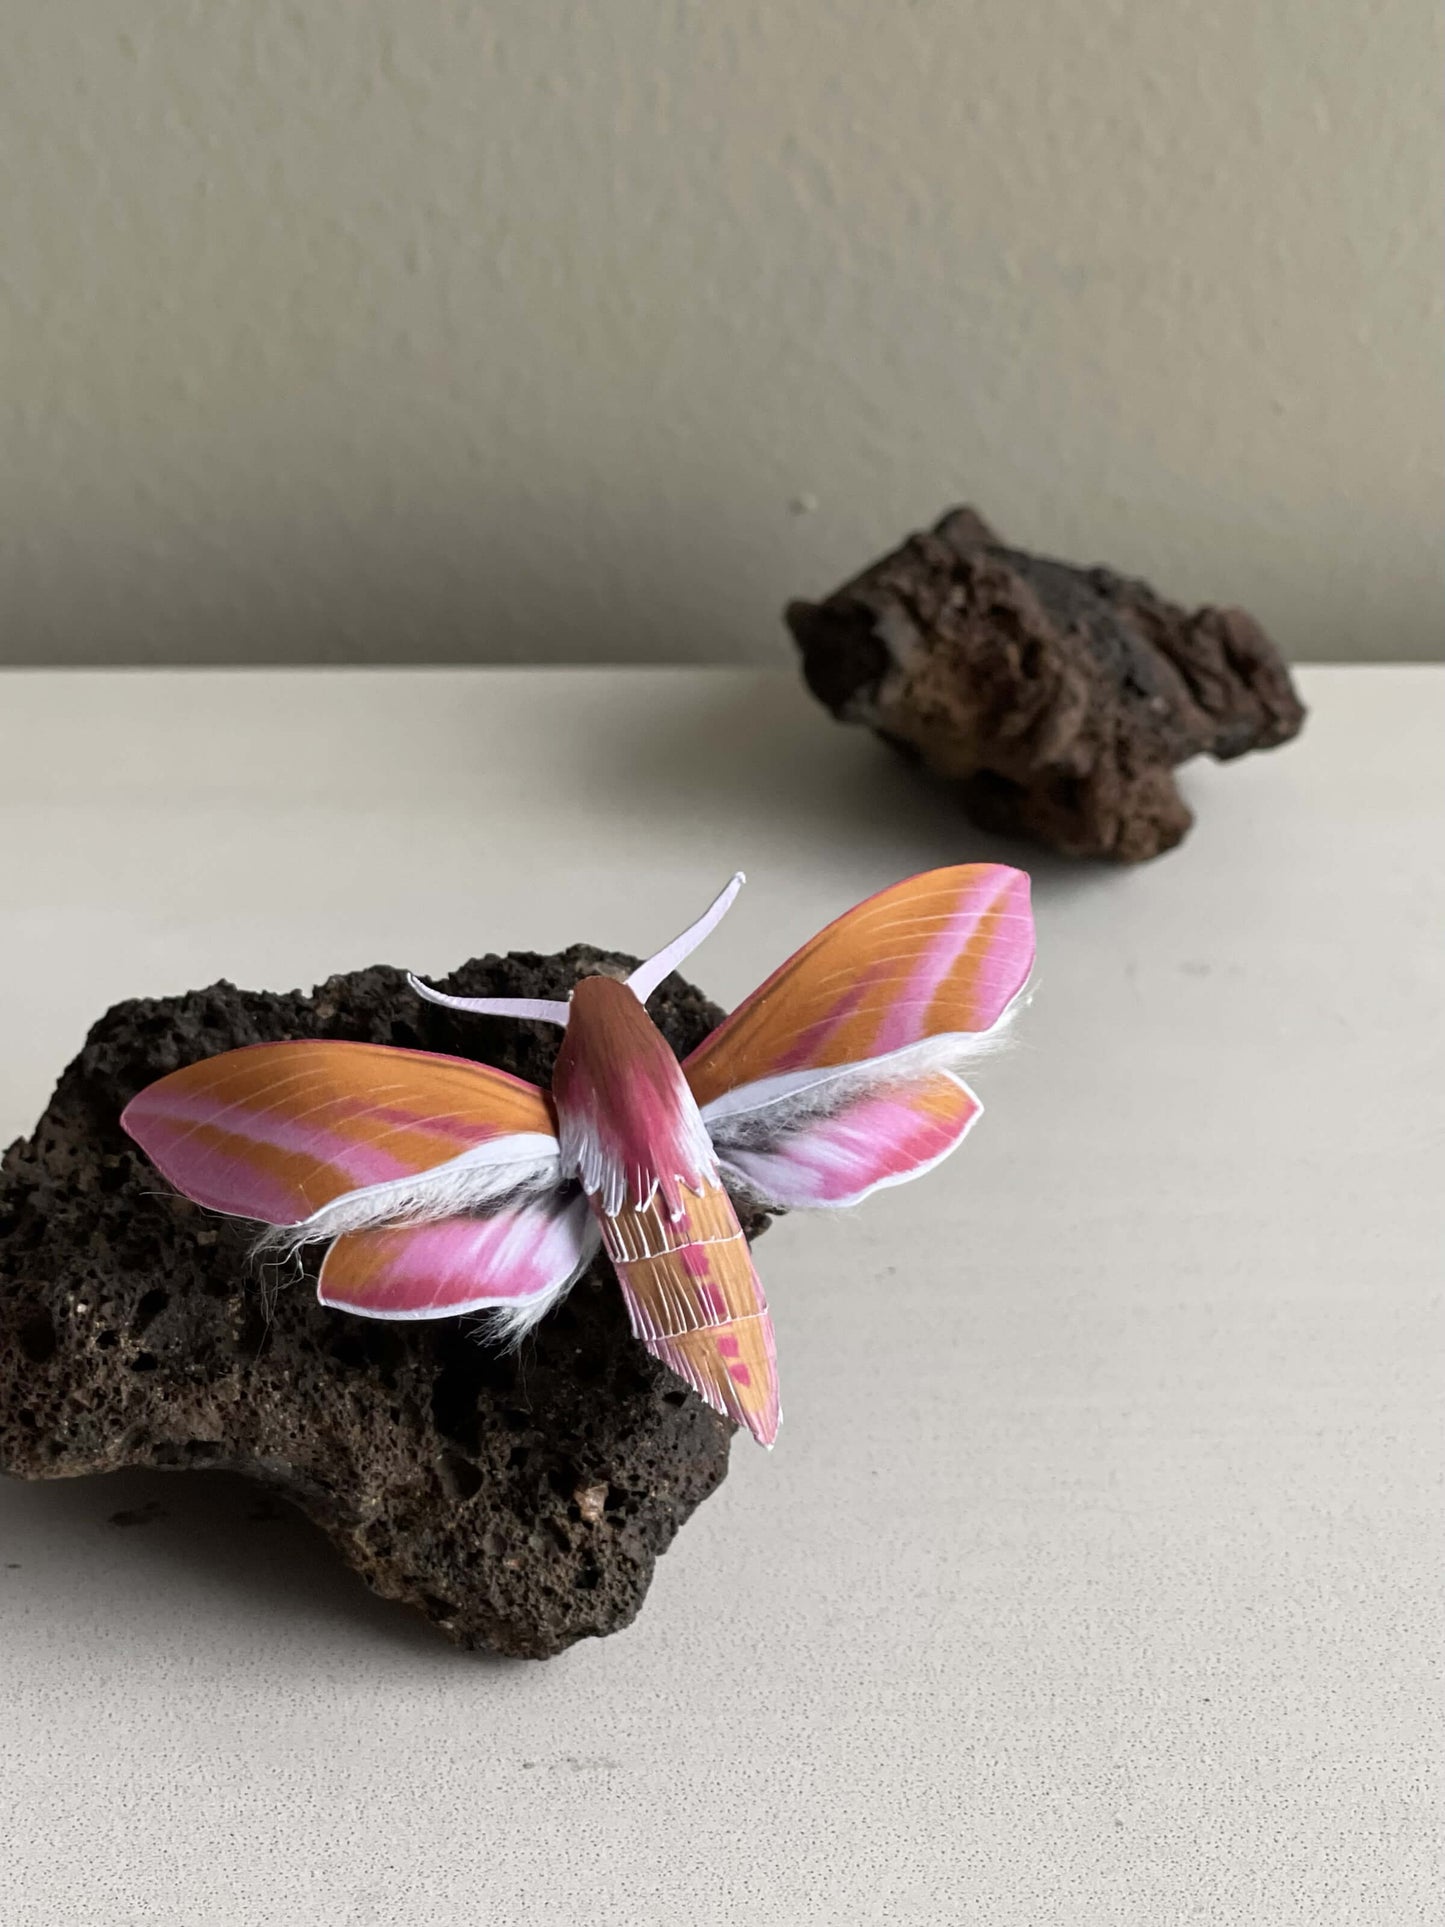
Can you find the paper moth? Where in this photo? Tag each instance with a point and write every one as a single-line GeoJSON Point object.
{"type": "Point", "coordinates": [442, 1186]}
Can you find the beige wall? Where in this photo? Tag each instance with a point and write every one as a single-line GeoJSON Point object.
{"type": "Point", "coordinates": [520, 330]}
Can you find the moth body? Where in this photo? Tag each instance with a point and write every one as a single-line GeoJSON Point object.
{"type": "Point", "coordinates": [630, 1127]}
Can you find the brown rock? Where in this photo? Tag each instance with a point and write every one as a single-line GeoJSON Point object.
{"type": "Point", "coordinates": [520, 1500]}
{"type": "Point", "coordinates": [1058, 700]}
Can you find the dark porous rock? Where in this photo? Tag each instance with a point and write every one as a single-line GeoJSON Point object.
{"type": "Point", "coordinates": [1058, 700]}
{"type": "Point", "coordinates": [519, 1499]}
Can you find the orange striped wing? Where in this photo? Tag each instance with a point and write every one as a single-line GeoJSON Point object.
{"type": "Point", "coordinates": [937, 954]}
{"type": "Point", "coordinates": [275, 1131]}
{"type": "Point", "coordinates": [697, 1304]}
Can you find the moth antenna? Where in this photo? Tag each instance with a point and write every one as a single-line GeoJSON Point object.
{"type": "Point", "coordinates": [645, 979]}
{"type": "Point", "coordinates": [539, 1009]}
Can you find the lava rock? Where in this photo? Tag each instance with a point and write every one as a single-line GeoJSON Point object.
{"type": "Point", "coordinates": [518, 1499]}
{"type": "Point", "coordinates": [1058, 700]}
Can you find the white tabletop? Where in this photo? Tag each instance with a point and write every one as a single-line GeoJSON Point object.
{"type": "Point", "coordinates": [1096, 1576]}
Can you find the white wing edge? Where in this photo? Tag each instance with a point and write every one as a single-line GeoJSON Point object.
{"type": "Point", "coordinates": [745, 1184]}
{"type": "Point", "coordinates": [761, 1112]}
{"type": "Point", "coordinates": [509, 1320]}
{"type": "Point", "coordinates": [506, 1170]}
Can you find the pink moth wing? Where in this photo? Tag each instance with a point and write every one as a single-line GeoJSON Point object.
{"type": "Point", "coordinates": [276, 1131]}
{"type": "Point", "coordinates": [352, 1140]}
{"type": "Point", "coordinates": [839, 1074]}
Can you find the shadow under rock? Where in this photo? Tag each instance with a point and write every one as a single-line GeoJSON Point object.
{"type": "Point", "coordinates": [763, 756]}
{"type": "Point", "coordinates": [206, 1530]}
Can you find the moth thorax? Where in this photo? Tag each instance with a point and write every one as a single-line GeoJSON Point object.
{"type": "Point", "coordinates": [628, 1121]}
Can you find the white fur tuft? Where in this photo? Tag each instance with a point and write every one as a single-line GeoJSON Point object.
{"type": "Point", "coordinates": [510, 1322]}
{"type": "Point", "coordinates": [615, 1184]}
{"type": "Point", "coordinates": [522, 1165]}
{"type": "Point", "coordinates": [762, 1112]}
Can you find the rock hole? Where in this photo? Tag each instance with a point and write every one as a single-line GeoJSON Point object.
{"type": "Point", "coordinates": [365, 1344]}
{"type": "Point", "coordinates": [151, 1305]}
{"type": "Point", "coordinates": [37, 1337]}
{"type": "Point", "coordinates": [347, 1349]}
{"type": "Point", "coordinates": [461, 1478]}
{"type": "Point", "coordinates": [143, 1362]}
{"type": "Point", "coordinates": [454, 1404]}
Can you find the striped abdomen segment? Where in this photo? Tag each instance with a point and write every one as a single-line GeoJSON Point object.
{"type": "Point", "coordinates": [695, 1302]}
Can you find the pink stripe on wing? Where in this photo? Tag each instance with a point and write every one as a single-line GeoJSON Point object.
{"type": "Point", "coordinates": [907, 1019]}
{"type": "Point", "coordinates": [808, 1047]}
{"type": "Point", "coordinates": [225, 1181]}
{"type": "Point", "coordinates": [880, 1139]}
{"type": "Point", "coordinates": [457, 1264]}
{"type": "Point", "coordinates": [179, 1117]}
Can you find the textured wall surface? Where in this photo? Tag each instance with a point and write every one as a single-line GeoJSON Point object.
{"type": "Point", "coordinates": [519, 331]}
